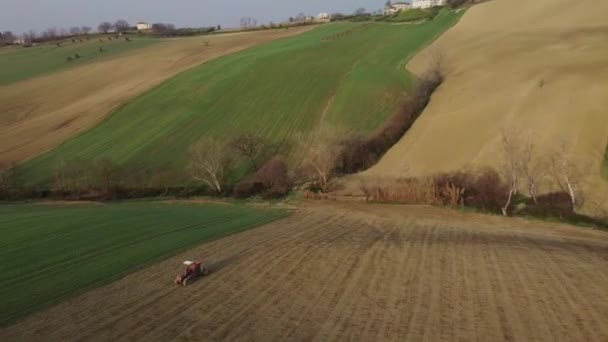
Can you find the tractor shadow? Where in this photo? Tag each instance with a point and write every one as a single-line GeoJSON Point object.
{"type": "Point", "coordinates": [223, 263]}
{"type": "Point", "coordinates": [216, 267]}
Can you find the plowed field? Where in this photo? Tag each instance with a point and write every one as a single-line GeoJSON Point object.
{"type": "Point", "coordinates": [539, 71]}
{"type": "Point", "coordinates": [358, 272]}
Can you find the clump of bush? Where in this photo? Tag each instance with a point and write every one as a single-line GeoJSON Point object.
{"type": "Point", "coordinates": [485, 190]}
{"type": "Point", "coordinates": [554, 204]}
{"type": "Point", "coordinates": [271, 180]}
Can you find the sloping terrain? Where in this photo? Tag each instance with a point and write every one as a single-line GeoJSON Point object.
{"type": "Point", "coordinates": [358, 272]}
{"type": "Point", "coordinates": [40, 113]}
{"type": "Point", "coordinates": [18, 63]}
{"type": "Point", "coordinates": [538, 68]}
{"type": "Point", "coordinates": [344, 74]}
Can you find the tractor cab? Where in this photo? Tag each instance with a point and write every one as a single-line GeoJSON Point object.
{"type": "Point", "coordinates": [193, 270]}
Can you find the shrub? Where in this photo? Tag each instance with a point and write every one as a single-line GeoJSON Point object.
{"type": "Point", "coordinates": [456, 3]}
{"type": "Point", "coordinates": [485, 190]}
{"type": "Point", "coordinates": [271, 181]}
{"type": "Point", "coordinates": [555, 204]}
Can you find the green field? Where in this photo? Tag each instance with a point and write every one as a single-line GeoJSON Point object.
{"type": "Point", "coordinates": [18, 63]}
{"type": "Point", "coordinates": [49, 252]}
{"type": "Point", "coordinates": [350, 75]}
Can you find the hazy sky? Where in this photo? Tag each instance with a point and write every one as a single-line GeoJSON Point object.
{"type": "Point", "coordinates": [23, 15]}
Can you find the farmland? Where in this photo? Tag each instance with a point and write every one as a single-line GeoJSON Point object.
{"type": "Point", "coordinates": [18, 64]}
{"type": "Point", "coordinates": [358, 272]}
{"type": "Point", "coordinates": [42, 112]}
{"type": "Point", "coordinates": [544, 58]}
{"type": "Point", "coordinates": [347, 75]}
{"type": "Point", "coordinates": [605, 165]}
{"type": "Point", "coordinates": [52, 252]}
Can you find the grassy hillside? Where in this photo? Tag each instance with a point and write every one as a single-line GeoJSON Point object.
{"type": "Point", "coordinates": [51, 252]}
{"type": "Point", "coordinates": [345, 74]}
{"type": "Point", "coordinates": [19, 63]}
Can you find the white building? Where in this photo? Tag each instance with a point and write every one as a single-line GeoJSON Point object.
{"type": "Point", "coordinates": [142, 26]}
{"type": "Point", "coordinates": [323, 16]}
{"type": "Point", "coordinates": [397, 7]}
{"type": "Point", "coordinates": [427, 3]}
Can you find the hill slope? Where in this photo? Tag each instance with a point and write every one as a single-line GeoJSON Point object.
{"type": "Point", "coordinates": [38, 114]}
{"type": "Point", "coordinates": [17, 64]}
{"type": "Point", "coordinates": [542, 72]}
{"type": "Point", "coordinates": [343, 74]}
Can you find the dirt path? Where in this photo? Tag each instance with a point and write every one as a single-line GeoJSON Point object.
{"type": "Point", "coordinates": [359, 272]}
{"type": "Point", "coordinates": [38, 114]}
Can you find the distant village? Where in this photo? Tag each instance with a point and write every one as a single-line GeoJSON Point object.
{"type": "Point", "coordinates": [393, 8]}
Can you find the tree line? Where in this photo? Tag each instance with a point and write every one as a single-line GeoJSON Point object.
{"type": "Point", "coordinates": [119, 26]}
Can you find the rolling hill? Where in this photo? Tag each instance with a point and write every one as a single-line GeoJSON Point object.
{"type": "Point", "coordinates": [17, 64]}
{"type": "Point", "coordinates": [541, 73]}
{"type": "Point", "coordinates": [346, 74]}
{"type": "Point", "coordinates": [39, 113]}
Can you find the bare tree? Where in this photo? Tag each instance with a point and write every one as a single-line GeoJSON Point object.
{"type": "Point", "coordinates": [163, 29]}
{"type": "Point", "coordinates": [248, 22]}
{"type": "Point", "coordinates": [530, 166]}
{"type": "Point", "coordinates": [106, 172]}
{"type": "Point", "coordinates": [7, 37]}
{"type": "Point", "coordinates": [85, 29]}
{"type": "Point", "coordinates": [69, 177]}
{"type": "Point", "coordinates": [337, 16]}
{"type": "Point", "coordinates": [50, 33]}
{"type": "Point", "coordinates": [75, 30]}
{"type": "Point", "coordinates": [209, 162]}
{"type": "Point", "coordinates": [121, 25]}
{"type": "Point", "coordinates": [29, 36]}
{"type": "Point", "coordinates": [360, 11]}
{"type": "Point", "coordinates": [248, 146]}
{"type": "Point", "coordinates": [7, 173]}
{"type": "Point", "coordinates": [319, 156]}
{"type": "Point", "coordinates": [104, 27]}
{"type": "Point", "coordinates": [566, 173]}
{"type": "Point", "coordinates": [301, 17]}
{"type": "Point", "coordinates": [510, 168]}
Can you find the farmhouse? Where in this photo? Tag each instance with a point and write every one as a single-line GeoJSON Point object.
{"type": "Point", "coordinates": [427, 3]}
{"type": "Point", "coordinates": [323, 16]}
{"type": "Point", "coordinates": [396, 7]}
{"type": "Point", "coordinates": [142, 26]}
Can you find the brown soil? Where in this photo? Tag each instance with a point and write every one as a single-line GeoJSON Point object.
{"type": "Point", "coordinates": [38, 114]}
{"type": "Point", "coordinates": [337, 271]}
{"type": "Point", "coordinates": [538, 68]}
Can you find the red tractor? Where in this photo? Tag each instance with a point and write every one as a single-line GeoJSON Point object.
{"type": "Point", "coordinates": [193, 270]}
